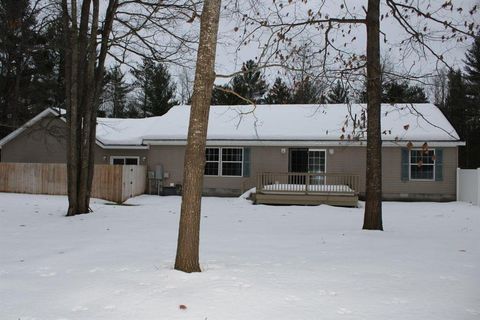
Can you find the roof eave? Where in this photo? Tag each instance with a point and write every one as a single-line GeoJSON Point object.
{"type": "Point", "coordinates": [306, 142]}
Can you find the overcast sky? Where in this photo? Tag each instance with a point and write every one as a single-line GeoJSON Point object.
{"type": "Point", "coordinates": [230, 54]}
{"type": "Point", "coordinates": [229, 59]}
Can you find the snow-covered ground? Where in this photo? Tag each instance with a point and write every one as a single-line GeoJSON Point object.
{"type": "Point", "coordinates": [259, 262]}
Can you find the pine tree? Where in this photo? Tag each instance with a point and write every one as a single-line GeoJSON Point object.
{"type": "Point", "coordinates": [157, 91]}
{"type": "Point", "coordinates": [54, 60]}
{"type": "Point", "coordinates": [403, 92]}
{"type": "Point", "coordinates": [472, 76]}
{"type": "Point", "coordinates": [115, 93]}
{"type": "Point", "coordinates": [279, 93]}
{"type": "Point", "coordinates": [471, 154]}
{"type": "Point", "coordinates": [339, 94]}
{"type": "Point", "coordinates": [132, 109]}
{"type": "Point", "coordinates": [25, 66]}
{"type": "Point", "coordinates": [416, 94]}
{"type": "Point", "coordinates": [307, 91]}
{"type": "Point", "coordinates": [456, 102]}
{"type": "Point", "coordinates": [249, 85]}
{"type": "Point", "coordinates": [221, 96]}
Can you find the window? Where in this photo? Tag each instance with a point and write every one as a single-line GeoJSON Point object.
{"type": "Point", "coordinates": [212, 161]}
{"type": "Point", "coordinates": [232, 159]}
{"type": "Point", "coordinates": [124, 160]}
{"type": "Point", "coordinates": [422, 164]}
{"type": "Point", "coordinates": [224, 162]}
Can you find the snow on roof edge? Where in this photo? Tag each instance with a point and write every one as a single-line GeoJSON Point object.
{"type": "Point", "coordinates": [218, 130]}
{"type": "Point", "coordinates": [139, 141]}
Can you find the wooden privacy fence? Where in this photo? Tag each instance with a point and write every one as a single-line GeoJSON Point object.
{"type": "Point", "coordinates": [110, 182]}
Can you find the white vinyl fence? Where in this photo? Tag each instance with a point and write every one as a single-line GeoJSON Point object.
{"type": "Point", "coordinates": [468, 185]}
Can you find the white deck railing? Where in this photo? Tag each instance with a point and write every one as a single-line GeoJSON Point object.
{"type": "Point", "coordinates": [307, 183]}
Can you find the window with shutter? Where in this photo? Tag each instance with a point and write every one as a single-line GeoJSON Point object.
{"type": "Point", "coordinates": [422, 164]}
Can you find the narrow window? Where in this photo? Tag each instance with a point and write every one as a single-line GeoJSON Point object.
{"type": "Point", "coordinates": [212, 160]}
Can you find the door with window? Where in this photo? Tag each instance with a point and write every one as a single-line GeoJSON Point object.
{"type": "Point", "coordinates": [303, 160]}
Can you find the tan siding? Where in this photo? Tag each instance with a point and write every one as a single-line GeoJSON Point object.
{"type": "Point", "coordinates": [393, 185]}
{"type": "Point", "coordinates": [44, 142]}
{"type": "Point", "coordinates": [353, 160]}
{"type": "Point", "coordinates": [37, 145]}
{"type": "Point", "coordinates": [348, 160]}
{"type": "Point", "coordinates": [102, 156]}
{"type": "Point", "coordinates": [261, 159]}
{"type": "Point", "coordinates": [171, 158]}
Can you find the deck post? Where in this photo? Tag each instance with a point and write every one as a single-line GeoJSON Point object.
{"type": "Point", "coordinates": [307, 183]}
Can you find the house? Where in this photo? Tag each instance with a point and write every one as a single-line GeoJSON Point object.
{"type": "Point", "coordinates": [248, 144]}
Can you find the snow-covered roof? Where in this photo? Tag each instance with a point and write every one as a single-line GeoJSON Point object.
{"type": "Point", "coordinates": [401, 122]}
{"type": "Point", "coordinates": [273, 125]}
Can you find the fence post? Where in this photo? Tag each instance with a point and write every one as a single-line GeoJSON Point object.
{"type": "Point", "coordinates": [457, 196]}
{"type": "Point", "coordinates": [478, 187]}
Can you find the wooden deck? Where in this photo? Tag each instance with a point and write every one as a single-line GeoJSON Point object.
{"type": "Point", "coordinates": [307, 189]}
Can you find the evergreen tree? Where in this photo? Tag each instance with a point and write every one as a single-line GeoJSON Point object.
{"type": "Point", "coordinates": [279, 93]}
{"type": "Point", "coordinates": [456, 102]}
{"type": "Point", "coordinates": [157, 91]}
{"type": "Point", "coordinates": [25, 66]}
{"type": "Point", "coordinates": [249, 84]}
{"type": "Point", "coordinates": [222, 96]}
{"type": "Point", "coordinates": [132, 110]}
{"type": "Point", "coordinates": [115, 93]}
{"type": "Point", "coordinates": [416, 94]}
{"type": "Point", "coordinates": [339, 94]}
{"type": "Point", "coordinates": [403, 92]}
{"type": "Point", "coordinates": [307, 91]}
{"type": "Point", "coordinates": [472, 76]}
{"type": "Point", "coordinates": [55, 63]}
{"type": "Point", "coordinates": [470, 156]}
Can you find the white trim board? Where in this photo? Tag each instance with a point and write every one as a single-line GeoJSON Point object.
{"type": "Point", "coordinates": [302, 143]}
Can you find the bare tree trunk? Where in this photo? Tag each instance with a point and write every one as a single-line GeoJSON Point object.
{"type": "Point", "coordinates": [98, 77]}
{"type": "Point", "coordinates": [71, 92]}
{"type": "Point", "coordinates": [88, 107]}
{"type": "Point", "coordinates": [373, 203]}
{"type": "Point", "coordinates": [84, 70]}
{"type": "Point", "coordinates": [187, 258]}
